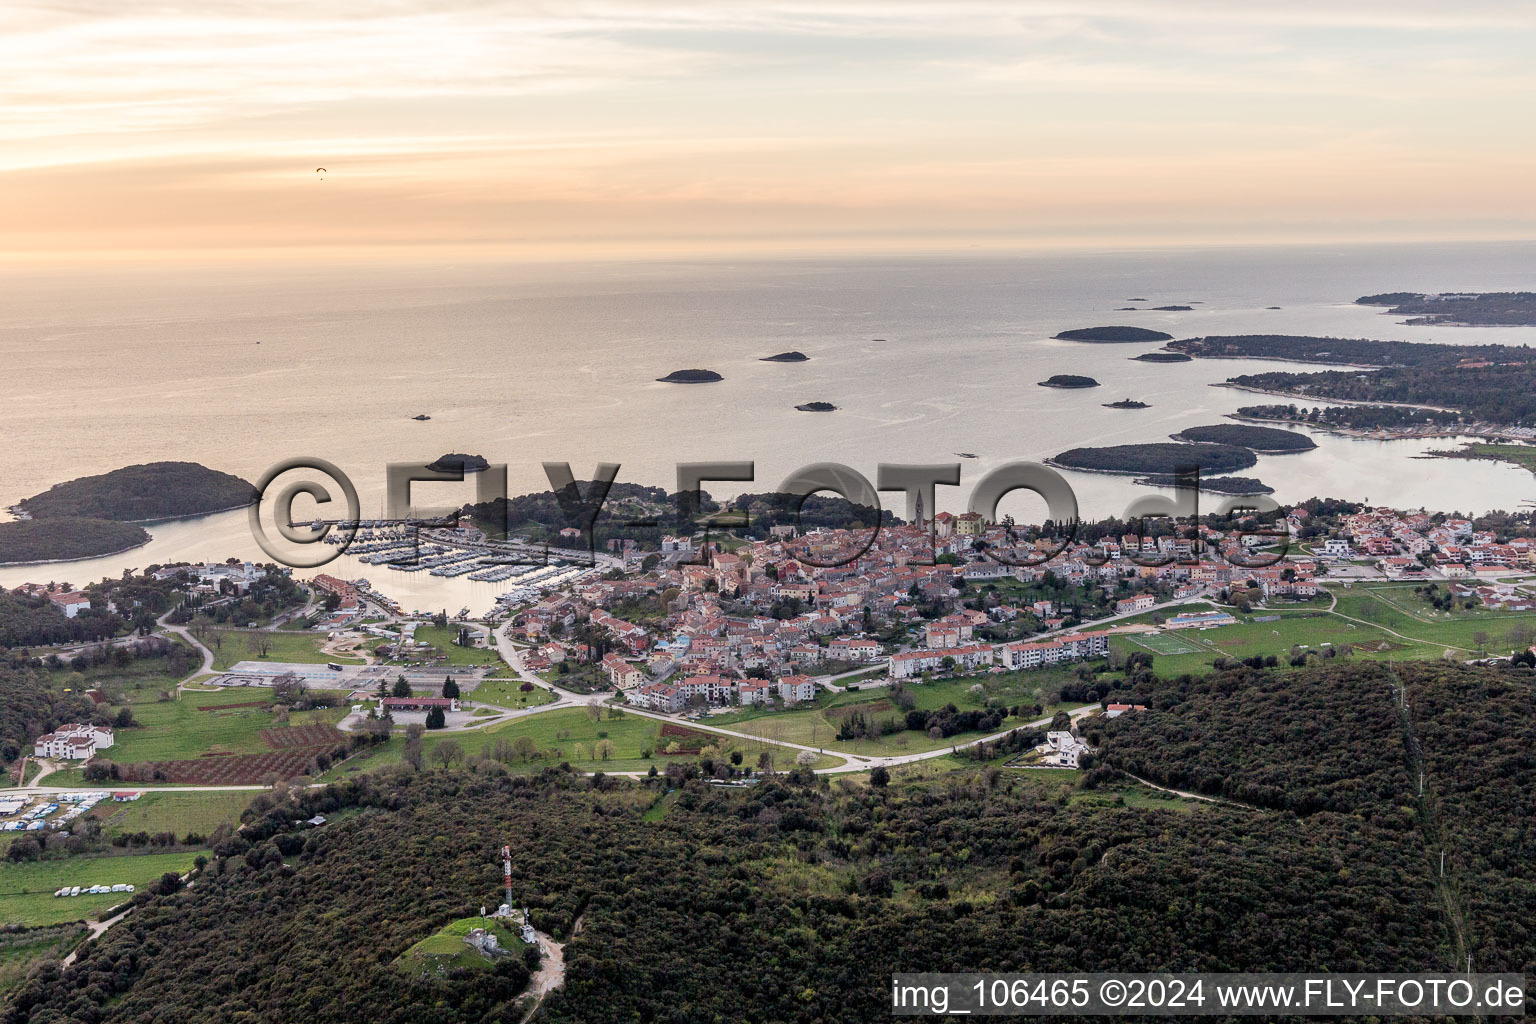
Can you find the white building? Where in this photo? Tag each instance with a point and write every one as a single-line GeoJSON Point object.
{"type": "Point", "coordinates": [73, 742]}
{"type": "Point", "coordinates": [794, 689]}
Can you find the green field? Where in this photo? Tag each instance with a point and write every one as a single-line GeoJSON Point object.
{"type": "Point", "coordinates": [442, 639]}
{"type": "Point", "coordinates": [230, 646]}
{"type": "Point", "coordinates": [1399, 609]}
{"type": "Point", "coordinates": [817, 726]}
{"type": "Point", "coordinates": [557, 735]}
{"type": "Point", "coordinates": [504, 693]}
{"type": "Point", "coordinates": [1164, 644]}
{"type": "Point", "coordinates": [178, 729]}
{"type": "Point", "coordinates": [140, 680]}
{"type": "Point", "coordinates": [27, 890]}
{"type": "Point", "coordinates": [172, 812]}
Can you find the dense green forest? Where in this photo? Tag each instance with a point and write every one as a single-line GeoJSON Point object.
{"type": "Point", "coordinates": [29, 707]}
{"type": "Point", "coordinates": [1259, 439]}
{"type": "Point", "coordinates": [1157, 458]}
{"type": "Point", "coordinates": [806, 897]}
{"type": "Point", "coordinates": [1478, 309]}
{"type": "Point", "coordinates": [156, 490]}
{"type": "Point", "coordinates": [1214, 484]}
{"type": "Point", "coordinates": [65, 539]}
{"type": "Point", "coordinates": [1069, 380]}
{"type": "Point", "coordinates": [34, 622]}
{"type": "Point", "coordinates": [1504, 394]}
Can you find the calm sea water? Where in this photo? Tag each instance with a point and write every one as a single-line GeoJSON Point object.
{"type": "Point", "coordinates": [238, 366]}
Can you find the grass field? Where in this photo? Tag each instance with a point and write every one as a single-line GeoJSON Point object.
{"type": "Point", "coordinates": [27, 890]}
{"type": "Point", "coordinates": [172, 812]}
{"type": "Point", "coordinates": [19, 951]}
{"type": "Point", "coordinates": [504, 693]}
{"type": "Point", "coordinates": [570, 735]}
{"type": "Point", "coordinates": [199, 724]}
{"type": "Point", "coordinates": [442, 639]}
{"type": "Point", "coordinates": [818, 725]}
{"type": "Point", "coordinates": [1471, 630]}
{"type": "Point", "coordinates": [230, 646]}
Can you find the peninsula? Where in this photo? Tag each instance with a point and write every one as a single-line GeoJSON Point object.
{"type": "Point", "coordinates": [66, 539]}
{"type": "Point", "coordinates": [1466, 309]}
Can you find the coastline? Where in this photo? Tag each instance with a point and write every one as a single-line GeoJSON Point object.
{"type": "Point", "coordinates": [82, 558]}
{"type": "Point", "coordinates": [1296, 397]}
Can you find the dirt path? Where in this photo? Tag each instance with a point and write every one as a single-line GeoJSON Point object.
{"type": "Point", "coordinates": [551, 972]}
{"type": "Point", "coordinates": [96, 928]}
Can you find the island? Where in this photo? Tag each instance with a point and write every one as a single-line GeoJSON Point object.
{"type": "Point", "coordinates": [455, 462]}
{"type": "Point", "coordinates": [1115, 335]}
{"type": "Point", "coordinates": [1126, 403]}
{"type": "Point", "coordinates": [1215, 484]}
{"type": "Point", "coordinates": [785, 357]}
{"type": "Point", "coordinates": [1265, 440]}
{"type": "Point", "coordinates": [1069, 380]}
{"type": "Point", "coordinates": [691, 377]}
{"type": "Point", "coordinates": [1173, 309]}
{"type": "Point", "coordinates": [1163, 357]}
{"type": "Point", "coordinates": [421, 416]}
{"type": "Point", "coordinates": [66, 538]}
{"type": "Point", "coordinates": [1126, 309]}
{"type": "Point", "coordinates": [1466, 309]}
{"type": "Point", "coordinates": [817, 407]}
{"type": "Point", "coordinates": [1159, 458]}
{"type": "Point", "coordinates": [143, 494]}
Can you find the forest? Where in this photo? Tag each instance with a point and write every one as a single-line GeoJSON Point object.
{"type": "Point", "coordinates": [807, 896]}
{"type": "Point", "coordinates": [155, 490]}
{"type": "Point", "coordinates": [1502, 393]}
{"type": "Point", "coordinates": [1357, 417]}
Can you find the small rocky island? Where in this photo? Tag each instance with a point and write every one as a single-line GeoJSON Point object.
{"type": "Point", "coordinates": [1163, 357]}
{"type": "Point", "coordinates": [691, 377]}
{"type": "Point", "coordinates": [785, 357]}
{"type": "Point", "coordinates": [421, 417]}
{"type": "Point", "coordinates": [1173, 309]}
{"type": "Point", "coordinates": [455, 462]}
{"type": "Point", "coordinates": [817, 407]}
{"type": "Point", "coordinates": [1126, 403]}
{"type": "Point", "coordinates": [1113, 335]}
{"type": "Point", "coordinates": [1069, 380]}
{"type": "Point", "coordinates": [1214, 485]}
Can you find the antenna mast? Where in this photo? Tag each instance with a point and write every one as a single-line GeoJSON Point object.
{"type": "Point", "coordinates": [506, 873]}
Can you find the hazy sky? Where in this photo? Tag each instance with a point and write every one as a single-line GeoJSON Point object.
{"type": "Point", "coordinates": [625, 125]}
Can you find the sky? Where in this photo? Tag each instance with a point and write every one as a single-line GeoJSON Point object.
{"type": "Point", "coordinates": [622, 126]}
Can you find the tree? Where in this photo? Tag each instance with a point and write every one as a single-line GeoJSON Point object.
{"type": "Point", "coordinates": [448, 752]}
{"type": "Point", "coordinates": [450, 688]}
{"type": "Point", "coordinates": [805, 758]}
{"type": "Point", "coordinates": [401, 688]}
{"type": "Point", "coordinates": [436, 719]}
{"type": "Point", "coordinates": [603, 749]}
{"type": "Point", "coordinates": [879, 777]}
{"type": "Point", "coordinates": [524, 747]}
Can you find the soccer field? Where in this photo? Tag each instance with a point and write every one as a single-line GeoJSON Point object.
{"type": "Point", "coordinates": [1167, 644]}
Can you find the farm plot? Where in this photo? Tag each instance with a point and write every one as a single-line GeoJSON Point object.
{"type": "Point", "coordinates": [313, 736]}
{"type": "Point", "coordinates": [226, 769]}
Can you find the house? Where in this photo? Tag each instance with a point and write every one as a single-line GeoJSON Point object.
{"type": "Point", "coordinates": [915, 663]}
{"type": "Point", "coordinates": [1116, 710]}
{"type": "Point", "coordinates": [658, 697]}
{"type": "Point", "coordinates": [1132, 605]}
{"type": "Point", "coordinates": [1336, 548]}
{"type": "Point", "coordinates": [621, 672]}
{"type": "Point", "coordinates": [71, 603]}
{"type": "Point", "coordinates": [795, 689]}
{"type": "Point", "coordinates": [73, 742]}
{"type": "Point", "coordinates": [756, 692]}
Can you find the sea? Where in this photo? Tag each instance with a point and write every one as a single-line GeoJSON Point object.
{"type": "Point", "coordinates": [241, 364]}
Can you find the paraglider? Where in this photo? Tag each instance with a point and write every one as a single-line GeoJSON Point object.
{"type": "Point", "coordinates": [320, 170]}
